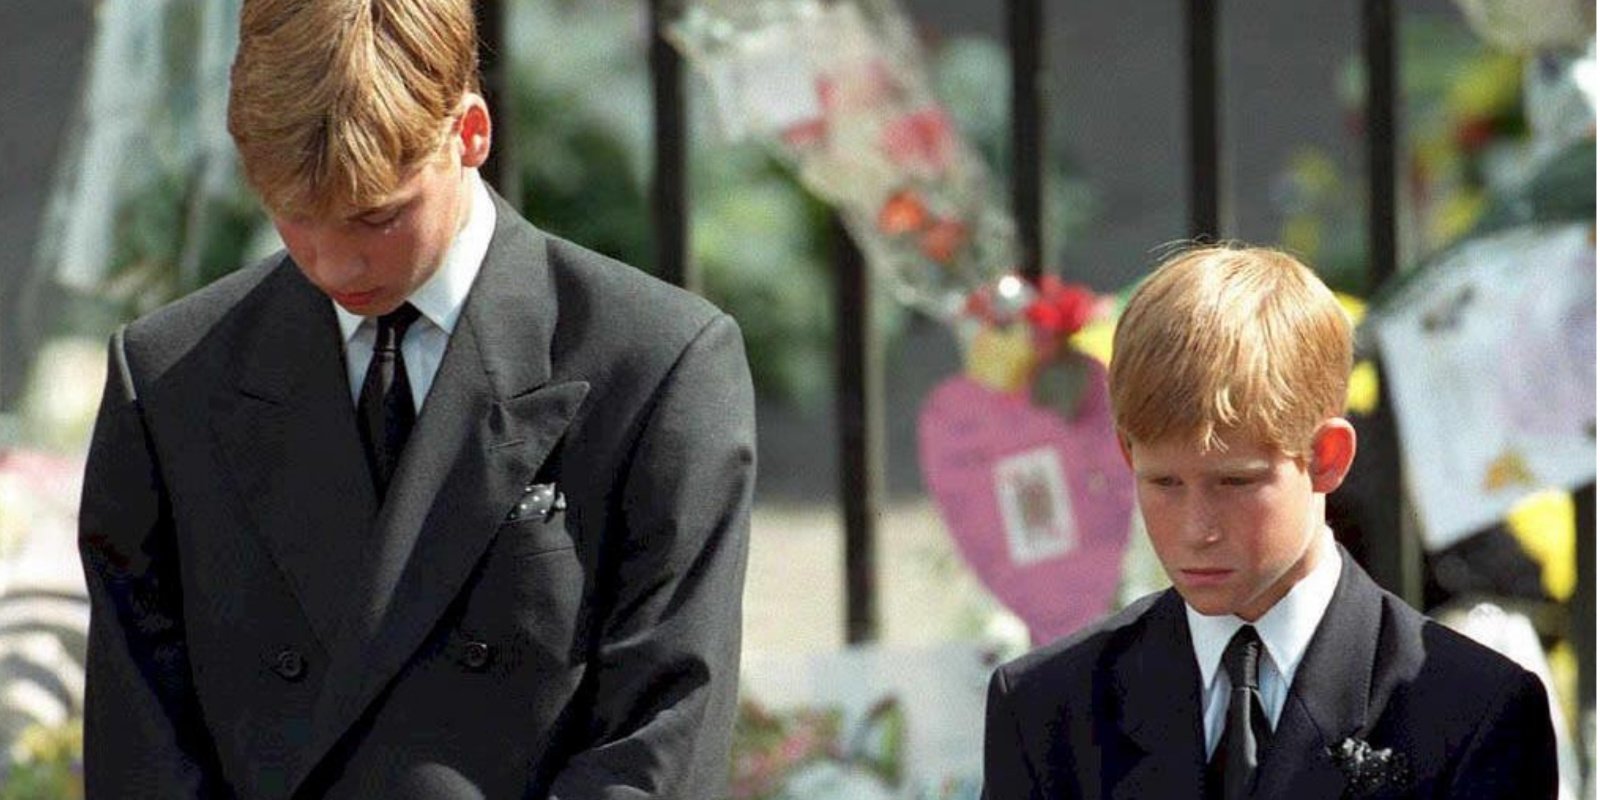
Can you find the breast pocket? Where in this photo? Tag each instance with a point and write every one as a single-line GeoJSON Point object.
{"type": "Point", "coordinates": [535, 524]}
{"type": "Point", "coordinates": [532, 595]}
{"type": "Point", "coordinates": [532, 536]}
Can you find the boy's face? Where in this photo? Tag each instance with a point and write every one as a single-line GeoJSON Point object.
{"type": "Point", "coordinates": [369, 260]}
{"type": "Point", "coordinates": [1235, 529]}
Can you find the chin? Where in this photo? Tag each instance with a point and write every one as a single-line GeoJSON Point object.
{"type": "Point", "coordinates": [1209, 603]}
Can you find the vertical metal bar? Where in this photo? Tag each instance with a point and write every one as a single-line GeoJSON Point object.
{"type": "Point", "coordinates": [1025, 27]}
{"type": "Point", "coordinates": [1393, 548]}
{"type": "Point", "coordinates": [1378, 20]}
{"type": "Point", "coordinates": [1583, 623]}
{"type": "Point", "coordinates": [501, 169]}
{"type": "Point", "coordinates": [669, 202]}
{"type": "Point", "coordinates": [1204, 96]}
{"type": "Point", "coordinates": [860, 416]}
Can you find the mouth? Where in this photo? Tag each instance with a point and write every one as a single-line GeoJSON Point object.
{"type": "Point", "coordinates": [350, 299]}
{"type": "Point", "coordinates": [1201, 576]}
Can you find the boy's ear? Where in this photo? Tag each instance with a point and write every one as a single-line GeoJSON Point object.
{"type": "Point", "coordinates": [1126, 448]}
{"type": "Point", "coordinates": [1333, 450]}
{"type": "Point", "coordinates": [474, 130]}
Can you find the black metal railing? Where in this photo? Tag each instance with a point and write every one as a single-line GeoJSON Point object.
{"type": "Point", "coordinates": [1025, 28]}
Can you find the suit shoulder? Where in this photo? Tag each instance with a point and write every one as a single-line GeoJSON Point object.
{"type": "Point", "coordinates": [193, 314]}
{"type": "Point", "coordinates": [1432, 673]}
{"type": "Point", "coordinates": [164, 334]}
{"type": "Point", "coordinates": [626, 299]}
{"type": "Point", "coordinates": [1071, 660]}
{"type": "Point", "coordinates": [1448, 654]}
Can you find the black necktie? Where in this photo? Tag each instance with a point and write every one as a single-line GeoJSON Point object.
{"type": "Point", "coordinates": [1246, 732]}
{"type": "Point", "coordinates": [385, 408]}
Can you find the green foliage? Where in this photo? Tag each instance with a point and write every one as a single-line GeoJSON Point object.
{"type": "Point", "coordinates": [1461, 107]}
{"type": "Point", "coordinates": [45, 765]}
{"type": "Point", "coordinates": [761, 244]}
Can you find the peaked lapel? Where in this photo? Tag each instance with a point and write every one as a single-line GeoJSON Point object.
{"type": "Point", "coordinates": [490, 420]}
{"type": "Point", "coordinates": [290, 446]}
{"type": "Point", "coordinates": [1332, 696]}
{"type": "Point", "coordinates": [1155, 690]}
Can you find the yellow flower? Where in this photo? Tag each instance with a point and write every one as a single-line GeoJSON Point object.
{"type": "Point", "coordinates": [1545, 525]}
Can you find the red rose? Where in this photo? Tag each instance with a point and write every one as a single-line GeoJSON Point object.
{"type": "Point", "coordinates": [943, 240]}
{"type": "Point", "coordinates": [1076, 305]}
{"type": "Point", "coordinates": [902, 213]}
{"type": "Point", "coordinates": [1044, 316]}
{"type": "Point", "coordinates": [1062, 308]}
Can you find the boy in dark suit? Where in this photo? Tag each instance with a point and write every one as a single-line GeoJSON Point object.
{"type": "Point", "coordinates": [429, 505]}
{"type": "Point", "coordinates": [1274, 667]}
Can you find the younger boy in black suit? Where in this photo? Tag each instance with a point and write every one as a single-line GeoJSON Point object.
{"type": "Point", "coordinates": [1274, 667]}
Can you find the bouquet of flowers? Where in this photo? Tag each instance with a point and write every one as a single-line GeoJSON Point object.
{"type": "Point", "coordinates": [838, 91]}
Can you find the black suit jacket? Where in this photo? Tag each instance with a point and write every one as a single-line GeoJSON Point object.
{"type": "Point", "coordinates": [1114, 711]}
{"type": "Point", "coordinates": [262, 627]}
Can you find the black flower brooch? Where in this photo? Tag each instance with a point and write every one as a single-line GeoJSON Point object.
{"type": "Point", "coordinates": [1368, 770]}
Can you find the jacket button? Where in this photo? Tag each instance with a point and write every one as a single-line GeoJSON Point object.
{"type": "Point", "coordinates": [475, 655]}
{"type": "Point", "coordinates": [289, 664]}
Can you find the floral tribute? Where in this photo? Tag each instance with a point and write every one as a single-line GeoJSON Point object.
{"type": "Point", "coordinates": [837, 90]}
{"type": "Point", "coordinates": [809, 752]}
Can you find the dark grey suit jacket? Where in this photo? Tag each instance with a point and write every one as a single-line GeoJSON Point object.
{"type": "Point", "coordinates": [1114, 711]}
{"type": "Point", "coordinates": [263, 627]}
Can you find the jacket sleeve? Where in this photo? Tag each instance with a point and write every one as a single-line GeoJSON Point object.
{"type": "Point", "coordinates": [1005, 767]}
{"type": "Point", "coordinates": [665, 670]}
{"type": "Point", "coordinates": [1513, 753]}
{"type": "Point", "coordinates": [143, 732]}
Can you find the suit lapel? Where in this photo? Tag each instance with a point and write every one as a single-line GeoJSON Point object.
{"type": "Point", "coordinates": [287, 434]}
{"type": "Point", "coordinates": [488, 423]}
{"type": "Point", "coordinates": [1155, 690]}
{"type": "Point", "coordinates": [1332, 696]}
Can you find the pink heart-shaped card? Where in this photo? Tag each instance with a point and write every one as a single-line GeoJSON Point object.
{"type": "Point", "coordinates": [1038, 505]}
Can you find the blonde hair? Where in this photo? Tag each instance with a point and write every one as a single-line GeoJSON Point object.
{"type": "Point", "coordinates": [1225, 339]}
{"type": "Point", "coordinates": [332, 102]}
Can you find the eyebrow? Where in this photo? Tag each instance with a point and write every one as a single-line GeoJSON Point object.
{"type": "Point", "coordinates": [1250, 467]}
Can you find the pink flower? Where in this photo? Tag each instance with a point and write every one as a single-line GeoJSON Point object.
{"type": "Point", "coordinates": [921, 140]}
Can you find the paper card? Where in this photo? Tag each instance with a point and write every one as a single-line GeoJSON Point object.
{"type": "Point", "coordinates": [1490, 360]}
{"type": "Point", "coordinates": [1035, 505]}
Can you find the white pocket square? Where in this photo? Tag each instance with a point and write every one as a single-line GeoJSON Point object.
{"type": "Point", "coordinates": [538, 500]}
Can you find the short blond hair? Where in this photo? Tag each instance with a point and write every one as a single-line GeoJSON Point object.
{"type": "Point", "coordinates": [333, 102]}
{"type": "Point", "coordinates": [1225, 339]}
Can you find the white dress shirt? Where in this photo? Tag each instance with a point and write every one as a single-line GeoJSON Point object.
{"type": "Point", "coordinates": [1285, 631]}
{"type": "Point", "coordinates": [440, 299]}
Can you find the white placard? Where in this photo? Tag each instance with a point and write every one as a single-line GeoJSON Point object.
{"type": "Point", "coordinates": [1490, 359]}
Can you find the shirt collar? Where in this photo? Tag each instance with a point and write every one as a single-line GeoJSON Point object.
{"type": "Point", "coordinates": [442, 297]}
{"type": "Point", "coordinates": [1286, 629]}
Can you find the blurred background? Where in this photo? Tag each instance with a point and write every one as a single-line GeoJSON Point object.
{"type": "Point", "coordinates": [121, 193]}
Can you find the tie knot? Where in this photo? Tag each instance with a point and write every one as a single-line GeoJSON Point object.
{"type": "Point", "coordinates": [1242, 659]}
{"type": "Point", "coordinates": [392, 326]}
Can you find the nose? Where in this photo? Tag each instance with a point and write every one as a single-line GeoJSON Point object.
{"type": "Point", "coordinates": [1200, 520]}
{"type": "Point", "coordinates": [337, 263]}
